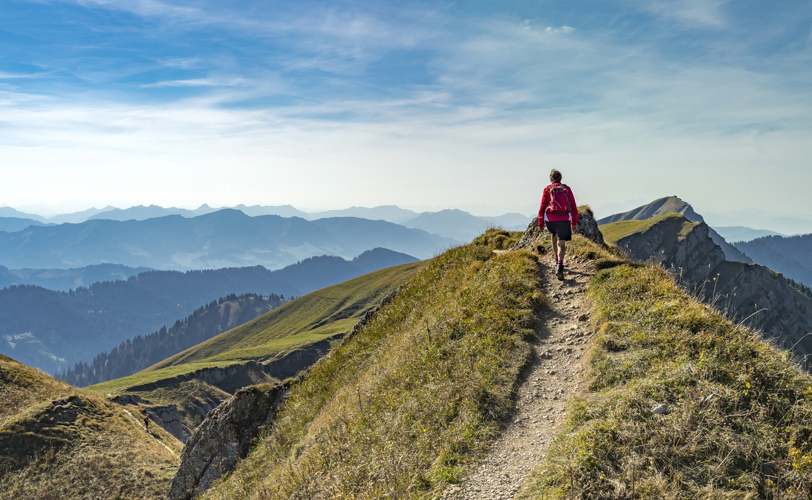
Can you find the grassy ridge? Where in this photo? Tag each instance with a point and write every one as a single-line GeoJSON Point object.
{"type": "Point", "coordinates": [740, 410]}
{"type": "Point", "coordinates": [306, 320]}
{"type": "Point", "coordinates": [618, 230]}
{"type": "Point", "coordinates": [398, 409]}
{"type": "Point", "coordinates": [60, 442]}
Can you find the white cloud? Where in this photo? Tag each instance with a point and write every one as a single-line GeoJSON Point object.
{"type": "Point", "coordinates": [562, 29]}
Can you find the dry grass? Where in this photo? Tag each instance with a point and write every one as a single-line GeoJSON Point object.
{"type": "Point", "coordinates": [400, 408]}
{"type": "Point", "coordinates": [498, 239]}
{"type": "Point", "coordinates": [740, 410]}
{"type": "Point", "coordinates": [61, 442]}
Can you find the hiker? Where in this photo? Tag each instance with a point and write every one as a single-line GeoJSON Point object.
{"type": "Point", "coordinates": [559, 213]}
{"type": "Point", "coordinates": [146, 420]}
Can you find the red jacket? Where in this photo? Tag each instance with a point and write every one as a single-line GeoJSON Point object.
{"type": "Point", "coordinates": [544, 209]}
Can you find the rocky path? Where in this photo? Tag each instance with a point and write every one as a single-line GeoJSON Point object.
{"type": "Point", "coordinates": [554, 378]}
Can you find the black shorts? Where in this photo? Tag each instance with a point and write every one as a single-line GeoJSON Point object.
{"type": "Point", "coordinates": [560, 228]}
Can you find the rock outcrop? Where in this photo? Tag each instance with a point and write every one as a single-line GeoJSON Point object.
{"type": "Point", "coordinates": [587, 227]}
{"type": "Point", "coordinates": [169, 418]}
{"type": "Point", "coordinates": [224, 436]}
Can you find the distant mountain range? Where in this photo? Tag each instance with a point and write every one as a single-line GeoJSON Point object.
{"type": "Point", "coordinates": [734, 234]}
{"type": "Point", "coordinates": [65, 279]}
{"type": "Point", "coordinates": [673, 204]}
{"type": "Point", "coordinates": [761, 220]}
{"type": "Point", "coordinates": [789, 255]}
{"type": "Point", "coordinates": [455, 224]}
{"type": "Point", "coordinates": [52, 330]}
{"type": "Point", "coordinates": [226, 238]}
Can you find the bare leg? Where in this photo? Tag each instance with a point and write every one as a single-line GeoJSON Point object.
{"type": "Point", "coordinates": [555, 247]}
{"type": "Point", "coordinates": [562, 250]}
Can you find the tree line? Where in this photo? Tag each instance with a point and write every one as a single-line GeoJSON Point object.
{"type": "Point", "coordinates": [205, 322]}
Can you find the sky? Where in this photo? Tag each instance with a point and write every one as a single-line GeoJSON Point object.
{"type": "Point", "coordinates": [425, 105]}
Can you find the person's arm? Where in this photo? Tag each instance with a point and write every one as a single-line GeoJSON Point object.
{"type": "Point", "coordinates": [574, 208]}
{"type": "Point", "coordinates": [544, 202]}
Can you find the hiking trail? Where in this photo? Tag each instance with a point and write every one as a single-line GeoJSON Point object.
{"type": "Point", "coordinates": [554, 377]}
{"type": "Point", "coordinates": [139, 424]}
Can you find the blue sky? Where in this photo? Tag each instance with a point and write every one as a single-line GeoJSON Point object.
{"type": "Point", "coordinates": [426, 105]}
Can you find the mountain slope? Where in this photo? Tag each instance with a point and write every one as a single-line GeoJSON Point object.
{"type": "Point", "coordinates": [412, 396]}
{"type": "Point", "coordinates": [59, 442]}
{"type": "Point", "coordinates": [733, 418]}
{"type": "Point", "coordinates": [226, 238]}
{"type": "Point", "coordinates": [674, 204]}
{"type": "Point", "coordinates": [746, 292]}
{"type": "Point", "coordinates": [13, 224]}
{"type": "Point", "coordinates": [790, 255]}
{"type": "Point", "coordinates": [274, 346]}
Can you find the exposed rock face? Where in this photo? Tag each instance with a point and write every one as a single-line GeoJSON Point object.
{"type": "Point", "coordinates": [587, 227]}
{"type": "Point", "coordinates": [225, 436]}
{"type": "Point", "coordinates": [685, 249]}
{"type": "Point", "coordinates": [169, 418]}
{"type": "Point", "coordinates": [745, 292]}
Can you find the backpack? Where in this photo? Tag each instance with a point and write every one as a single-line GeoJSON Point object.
{"type": "Point", "coordinates": [559, 200]}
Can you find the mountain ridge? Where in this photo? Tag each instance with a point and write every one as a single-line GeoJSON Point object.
{"type": "Point", "coordinates": [674, 204]}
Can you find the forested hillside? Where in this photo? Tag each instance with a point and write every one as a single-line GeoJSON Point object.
{"type": "Point", "coordinates": [54, 330]}
{"type": "Point", "coordinates": [144, 351]}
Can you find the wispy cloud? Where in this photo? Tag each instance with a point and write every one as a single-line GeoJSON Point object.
{"type": "Point", "coordinates": [197, 82]}
{"type": "Point", "coordinates": [690, 13]}
{"type": "Point", "coordinates": [16, 76]}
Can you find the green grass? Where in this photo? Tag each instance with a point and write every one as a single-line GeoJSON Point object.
{"type": "Point", "coordinates": [740, 410]}
{"type": "Point", "coordinates": [400, 408]}
{"type": "Point", "coordinates": [57, 442]}
{"type": "Point", "coordinates": [616, 231]}
{"type": "Point", "coordinates": [317, 316]}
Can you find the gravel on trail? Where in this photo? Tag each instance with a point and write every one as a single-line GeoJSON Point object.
{"type": "Point", "coordinates": [553, 379]}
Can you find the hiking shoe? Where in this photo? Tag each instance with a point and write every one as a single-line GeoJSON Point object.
{"type": "Point", "coordinates": [560, 273]}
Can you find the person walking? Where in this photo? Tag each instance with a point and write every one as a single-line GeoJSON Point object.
{"type": "Point", "coordinates": [559, 213]}
{"type": "Point", "coordinates": [146, 420]}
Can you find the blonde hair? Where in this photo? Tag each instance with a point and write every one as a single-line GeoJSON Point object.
{"type": "Point", "coordinates": [555, 176]}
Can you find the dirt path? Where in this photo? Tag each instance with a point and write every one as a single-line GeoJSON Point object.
{"type": "Point", "coordinates": [139, 424]}
{"type": "Point", "coordinates": [551, 381]}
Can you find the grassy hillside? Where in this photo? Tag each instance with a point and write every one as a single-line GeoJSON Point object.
{"type": "Point", "coordinates": [317, 316]}
{"type": "Point", "coordinates": [314, 321]}
{"type": "Point", "coordinates": [60, 442]}
{"type": "Point", "coordinates": [619, 230]}
{"type": "Point", "coordinates": [738, 424]}
{"type": "Point", "coordinates": [402, 406]}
